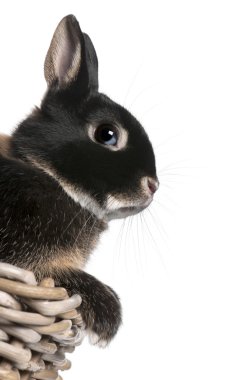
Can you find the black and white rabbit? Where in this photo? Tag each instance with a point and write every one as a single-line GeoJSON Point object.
{"type": "Point", "coordinates": [78, 161]}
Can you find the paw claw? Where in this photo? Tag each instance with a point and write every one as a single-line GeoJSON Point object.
{"type": "Point", "coordinates": [93, 338]}
{"type": "Point", "coordinates": [96, 340]}
{"type": "Point", "coordinates": [102, 343]}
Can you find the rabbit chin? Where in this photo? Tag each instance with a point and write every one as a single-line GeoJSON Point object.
{"type": "Point", "coordinates": [118, 209]}
{"type": "Point", "coordinates": [123, 212]}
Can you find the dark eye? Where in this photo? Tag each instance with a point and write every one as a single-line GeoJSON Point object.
{"type": "Point", "coordinates": [106, 134]}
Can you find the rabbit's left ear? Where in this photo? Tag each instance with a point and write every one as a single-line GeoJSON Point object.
{"type": "Point", "coordinates": [71, 57]}
{"type": "Point", "coordinates": [91, 62]}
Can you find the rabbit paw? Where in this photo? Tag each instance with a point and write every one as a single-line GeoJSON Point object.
{"type": "Point", "coordinates": [101, 314]}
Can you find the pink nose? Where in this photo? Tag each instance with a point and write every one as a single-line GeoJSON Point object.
{"type": "Point", "coordinates": [152, 184]}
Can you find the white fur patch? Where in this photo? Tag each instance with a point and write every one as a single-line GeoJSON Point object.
{"type": "Point", "coordinates": [79, 196]}
{"type": "Point", "coordinates": [114, 203]}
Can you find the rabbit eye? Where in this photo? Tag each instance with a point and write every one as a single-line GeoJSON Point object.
{"type": "Point", "coordinates": [113, 137]}
{"type": "Point", "coordinates": [106, 134]}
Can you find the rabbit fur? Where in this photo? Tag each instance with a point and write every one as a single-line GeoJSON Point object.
{"type": "Point", "coordinates": [60, 184]}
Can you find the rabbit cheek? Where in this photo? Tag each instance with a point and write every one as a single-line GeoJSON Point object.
{"type": "Point", "coordinates": [79, 196]}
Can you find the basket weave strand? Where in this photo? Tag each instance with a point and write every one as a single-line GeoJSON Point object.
{"type": "Point", "coordinates": [39, 323]}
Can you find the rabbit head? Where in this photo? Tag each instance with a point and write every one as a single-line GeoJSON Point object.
{"type": "Point", "coordinates": [97, 151]}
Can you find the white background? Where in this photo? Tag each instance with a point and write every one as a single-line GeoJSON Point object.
{"type": "Point", "coordinates": [170, 63]}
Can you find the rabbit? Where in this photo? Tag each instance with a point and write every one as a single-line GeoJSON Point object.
{"type": "Point", "coordinates": [75, 163]}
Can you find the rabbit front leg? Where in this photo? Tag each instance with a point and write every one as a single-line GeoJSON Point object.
{"type": "Point", "coordinates": [100, 308]}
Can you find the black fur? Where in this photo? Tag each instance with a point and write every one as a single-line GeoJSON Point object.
{"type": "Point", "coordinates": [40, 224]}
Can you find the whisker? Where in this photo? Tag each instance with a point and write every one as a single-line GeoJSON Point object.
{"type": "Point", "coordinates": [132, 83]}
{"type": "Point", "coordinates": [160, 204]}
{"type": "Point", "coordinates": [148, 110]}
{"type": "Point", "coordinates": [165, 195]}
{"type": "Point", "coordinates": [144, 252]}
{"type": "Point", "coordinates": [171, 167]}
{"type": "Point", "coordinates": [71, 221]}
{"type": "Point", "coordinates": [168, 139]}
{"type": "Point", "coordinates": [120, 237]}
{"type": "Point", "coordinates": [174, 179]}
{"type": "Point", "coordinates": [158, 225]}
{"type": "Point", "coordinates": [140, 256]}
{"type": "Point", "coordinates": [134, 251]}
{"type": "Point", "coordinates": [154, 242]}
{"type": "Point", "coordinates": [141, 93]}
{"type": "Point", "coordinates": [90, 232]}
{"type": "Point", "coordinates": [168, 186]}
{"type": "Point", "coordinates": [126, 237]}
{"type": "Point", "coordinates": [175, 168]}
{"type": "Point", "coordinates": [175, 174]}
{"type": "Point", "coordinates": [82, 228]}
{"type": "Point", "coordinates": [177, 162]}
{"type": "Point", "coordinates": [75, 216]}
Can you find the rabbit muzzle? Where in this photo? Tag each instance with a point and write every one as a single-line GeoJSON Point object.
{"type": "Point", "coordinates": [117, 207]}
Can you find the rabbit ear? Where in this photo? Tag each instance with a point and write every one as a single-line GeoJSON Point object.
{"type": "Point", "coordinates": [91, 62]}
{"type": "Point", "coordinates": [63, 58]}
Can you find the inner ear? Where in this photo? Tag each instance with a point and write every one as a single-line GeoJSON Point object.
{"type": "Point", "coordinates": [63, 59]}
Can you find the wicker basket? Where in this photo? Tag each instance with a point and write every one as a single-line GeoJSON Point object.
{"type": "Point", "coordinates": [38, 324]}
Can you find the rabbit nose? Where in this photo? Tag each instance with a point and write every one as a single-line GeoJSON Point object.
{"type": "Point", "coordinates": [152, 184]}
